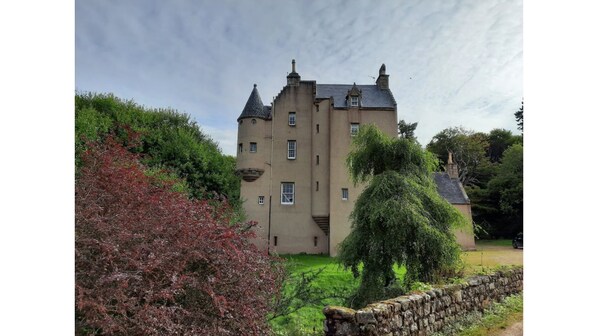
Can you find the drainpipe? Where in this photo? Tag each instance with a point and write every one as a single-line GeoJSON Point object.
{"type": "Point", "coordinates": [270, 178]}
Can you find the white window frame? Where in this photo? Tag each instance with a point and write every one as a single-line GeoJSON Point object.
{"type": "Point", "coordinates": [253, 147]}
{"type": "Point", "coordinates": [260, 200]}
{"type": "Point", "coordinates": [354, 101]}
{"type": "Point", "coordinates": [356, 125]}
{"type": "Point", "coordinates": [292, 118]}
{"type": "Point", "coordinates": [345, 194]}
{"type": "Point", "coordinates": [291, 152]}
{"type": "Point", "coordinates": [284, 194]}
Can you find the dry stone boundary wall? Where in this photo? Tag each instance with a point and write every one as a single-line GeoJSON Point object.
{"type": "Point", "coordinates": [425, 312]}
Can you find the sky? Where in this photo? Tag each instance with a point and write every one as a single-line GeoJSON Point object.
{"type": "Point", "coordinates": [451, 63]}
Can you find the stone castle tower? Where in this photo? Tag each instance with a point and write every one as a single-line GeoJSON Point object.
{"type": "Point", "coordinates": [291, 157]}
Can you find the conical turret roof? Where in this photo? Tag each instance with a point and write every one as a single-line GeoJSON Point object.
{"type": "Point", "coordinates": [254, 108]}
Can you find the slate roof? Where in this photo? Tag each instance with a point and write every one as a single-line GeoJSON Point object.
{"type": "Point", "coordinates": [450, 189]}
{"type": "Point", "coordinates": [371, 95]}
{"type": "Point", "coordinates": [254, 108]}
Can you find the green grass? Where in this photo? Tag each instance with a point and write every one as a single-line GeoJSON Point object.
{"type": "Point", "coordinates": [498, 317]}
{"type": "Point", "coordinates": [333, 281]}
{"type": "Point", "coordinates": [490, 254]}
{"type": "Point", "coordinates": [496, 242]}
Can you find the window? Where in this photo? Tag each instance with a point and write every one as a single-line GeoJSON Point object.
{"type": "Point", "coordinates": [240, 121]}
{"type": "Point", "coordinates": [292, 149]}
{"type": "Point", "coordinates": [253, 147]}
{"type": "Point", "coordinates": [345, 194]}
{"type": "Point", "coordinates": [317, 159]}
{"type": "Point", "coordinates": [315, 241]}
{"type": "Point", "coordinates": [287, 193]}
{"type": "Point", "coordinates": [240, 148]}
{"type": "Point", "coordinates": [291, 118]}
{"type": "Point", "coordinates": [354, 129]}
{"type": "Point", "coordinates": [260, 200]}
{"type": "Point", "coordinates": [317, 108]}
{"type": "Point", "coordinates": [275, 240]}
{"type": "Point", "coordinates": [317, 185]}
{"type": "Point", "coordinates": [253, 121]}
{"type": "Point", "coordinates": [354, 101]}
{"type": "Point", "coordinates": [317, 128]}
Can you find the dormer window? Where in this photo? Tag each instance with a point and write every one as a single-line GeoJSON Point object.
{"type": "Point", "coordinates": [353, 96]}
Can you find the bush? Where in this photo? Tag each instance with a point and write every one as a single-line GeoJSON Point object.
{"type": "Point", "coordinates": [151, 261]}
{"type": "Point", "coordinates": [168, 139]}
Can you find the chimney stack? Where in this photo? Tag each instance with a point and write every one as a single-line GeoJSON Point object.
{"type": "Point", "coordinates": [293, 78]}
{"type": "Point", "coordinates": [451, 168]}
{"type": "Point", "coordinates": [382, 81]}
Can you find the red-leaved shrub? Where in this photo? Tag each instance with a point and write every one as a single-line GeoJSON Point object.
{"type": "Point", "coordinates": [150, 261]}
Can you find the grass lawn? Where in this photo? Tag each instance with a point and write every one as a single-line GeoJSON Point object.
{"type": "Point", "coordinates": [497, 242]}
{"type": "Point", "coordinates": [334, 280]}
{"type": "Point", "coordinates": [489, 254]}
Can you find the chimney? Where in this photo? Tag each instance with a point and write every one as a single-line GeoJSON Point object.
{"type": "Point", "coordinates": [451, 168]}
{"type": "Point", "coordinates": [382, 81]}
{"type": "Point", "coordinates": [293, 78]}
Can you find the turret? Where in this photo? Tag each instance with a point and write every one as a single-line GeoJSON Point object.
{"type": "Point", "coordinates": [251, 145]}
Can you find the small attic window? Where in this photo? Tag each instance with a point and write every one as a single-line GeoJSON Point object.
{"type": "Point", "coordinates": [240, 121]}
{"type": "Point", "coordinates": [354, 101]}
{"type": "Point", "coordinates": [253, 121]}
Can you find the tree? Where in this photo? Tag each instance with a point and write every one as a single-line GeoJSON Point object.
{"type": "Point", "coordinates": [399, 218]}
{"type": "Point", "coordinates": [498, 141]}
{"type": "Point", "coordinates": [406, 130]}
{"type": "Point", "coordinates": [519, 117]}
{"type": "Point", "coordinates": [151, 261]}
{"type": "Point", "coordinates": [479, 156]}
{"type": "Point", "coordinates": [469, 152]}
{"type": "Point", "coordinates": [507, 187]}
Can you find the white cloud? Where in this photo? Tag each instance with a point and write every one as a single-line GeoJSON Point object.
{"type": "Point", "coordinates": [450, 62]}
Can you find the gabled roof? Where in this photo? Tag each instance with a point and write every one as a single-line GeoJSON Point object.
{"type": "Point", "coordinates": [254, 108]}
{"type": "Point", "coordinates": [371, 95]}
{"type": "Point", "coordinates": [450, 189]}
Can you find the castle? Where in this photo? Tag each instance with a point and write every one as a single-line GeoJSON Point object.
{"type": "Point", "coordinates": [291, 157]}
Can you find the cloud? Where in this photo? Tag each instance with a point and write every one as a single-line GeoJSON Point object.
{"type": "Point", "coordinates": [450, 62]}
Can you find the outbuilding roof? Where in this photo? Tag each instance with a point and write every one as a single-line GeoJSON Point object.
{"type": "Point", "coordinates": [450, 189]}
{"type": "Point", "coordinates": [371, 95]}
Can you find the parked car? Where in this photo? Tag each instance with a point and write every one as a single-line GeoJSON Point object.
{"type": "Point", "coordinates": [518, 240]}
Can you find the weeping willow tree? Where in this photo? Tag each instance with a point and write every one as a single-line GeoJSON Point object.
{"type": "Point", "coordinates": [399, 219]}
